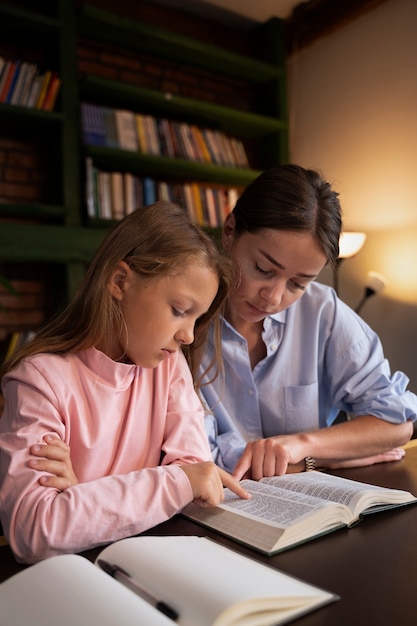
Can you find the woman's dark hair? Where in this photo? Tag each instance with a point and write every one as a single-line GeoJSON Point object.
{"type": "Point", "coordinates": [289, 197]}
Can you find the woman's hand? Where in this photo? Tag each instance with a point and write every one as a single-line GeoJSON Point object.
{"type": "Point", "coordinates": [279, 455]}
{"type": "Point", "coordinates": [396, 454]}
{"type": "Point", "coordinates": [273, 456]}
{"type": "Point", "coordinates": [53, 457]}
{"type": "Point", "coordinates": [207, 481]}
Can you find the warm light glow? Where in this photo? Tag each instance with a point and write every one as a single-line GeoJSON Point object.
{"type": "Point", "coordinates": [394, 253]}
{"type": "Point", "coordinates": [350, 243]}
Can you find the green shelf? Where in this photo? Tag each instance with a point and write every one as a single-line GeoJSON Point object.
{"type": "Point", "coordinates": [164, 167]}
{"type": "Point", "coordinates": [14, 112]}
{"type": "Point", "coordinates": [44, 243]}
{"type": "Point", "coordinates": [232, 121]}
{"type": "Point", "coordinates": [16, 16]}
{"type": "Point", "coordinates": [126, 33]}
{"type": "Point", "coordinates": [12, 209]}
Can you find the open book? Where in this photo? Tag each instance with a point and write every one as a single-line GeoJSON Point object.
{"type": "Point", "coordinates": [202, 582]}
{"type": "Point", "coordinates": [285, 511]}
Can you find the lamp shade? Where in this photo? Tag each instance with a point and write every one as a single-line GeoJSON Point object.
{"type": "Point", "coordinates": [350, 243]}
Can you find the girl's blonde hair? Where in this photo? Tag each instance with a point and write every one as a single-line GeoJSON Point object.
{"type": "Point", "coordinates": [156, 240]}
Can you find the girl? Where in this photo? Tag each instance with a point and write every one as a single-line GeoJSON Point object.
{"type": "Point", "coordinates": [109, 379]}
{"type": "Point", "coordinates": [295, 355]}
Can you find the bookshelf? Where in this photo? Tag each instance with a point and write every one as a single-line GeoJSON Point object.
{"type": "Point", "coordinates": [265, 127]}
{"type": "Point", "coordinates": [52, 226]}
{"type": "Point", "coordinates": [35, 229]}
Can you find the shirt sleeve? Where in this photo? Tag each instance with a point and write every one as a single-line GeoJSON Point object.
{"type": "Point", "coordinates": [359, 375]}
{"type": "Point", "coordinates": [226, 447]}
{"type": "Point", "coordinates": [40, 522]}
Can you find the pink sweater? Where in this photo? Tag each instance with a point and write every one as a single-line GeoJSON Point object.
{"type": "Point", "coordinates": [117, 418]}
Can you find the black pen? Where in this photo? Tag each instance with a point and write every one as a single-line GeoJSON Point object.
{"type": "Point", "coordinates": [118, 573]}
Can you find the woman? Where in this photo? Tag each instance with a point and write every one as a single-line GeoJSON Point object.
{"type": "Point", "coordinates": [295, 355]}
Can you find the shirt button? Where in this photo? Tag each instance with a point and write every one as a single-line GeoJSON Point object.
{"type": "Point", "coordinates": [250, 392]}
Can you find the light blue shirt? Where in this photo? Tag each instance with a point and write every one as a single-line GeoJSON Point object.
{"type": "Point", "coordinates": [321, 358]}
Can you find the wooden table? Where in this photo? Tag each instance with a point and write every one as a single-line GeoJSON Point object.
{"type": "Point", "coordinates": [373, 566]}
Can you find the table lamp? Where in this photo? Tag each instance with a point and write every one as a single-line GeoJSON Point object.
{"type": "Point", "coordinates": [375, 283]}
{"type": "Point", "coordinates": [349, 244]}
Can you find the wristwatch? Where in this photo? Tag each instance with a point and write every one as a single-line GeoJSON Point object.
{"type": "Point", "coordinates": [310, 464]}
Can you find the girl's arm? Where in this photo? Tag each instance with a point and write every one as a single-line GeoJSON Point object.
{"type": "Point", "coordinates": [206, 479]}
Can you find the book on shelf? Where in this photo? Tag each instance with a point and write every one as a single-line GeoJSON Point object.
{"type": "Point", "coordinates": [51, 92]}
{"type": "Point", "coordinates": [117, 195]}
{"type": "Point", "coordinates": [5, 79]}
{"type": "Point", "coordinates": [9, 74]}
{"type": "Point", "coordinates": [204, 151]}
{"type": "Point", "coordinates": [197, 203]}
{"type": "Point", "coordinates": [163, 190]}
{"type": "Point", "coordinates": [17, 339]}
{"type": "Point", "coordinates": [110, 130]}
{"type": "Point", "coordinates": [151, 135]}
{"type": "Point", "coordinates": [188, 200]}
{"type": "Point", "coordinates": [157, 581]}
{"type": "Point", "coordinates": [104, 196]}
{"type": "Point", "coordinates": [141, 133]}
{"type": "Point", "coordinates": [13, 82]}
{"type": "Point", "coordinates": [213, 218]}
{"type": "Point", "coordinates": [126, 129]}
{"type": "Point", "coordinates": [46, 77]}
{"type": "Point", "coordinates": [129, 193]}
{"type": "Point", "coordinates": [93, 124]}
{"type": "Point", "coordinates": [232, 198]}
{"type": "Point", "coordinates": [15, 94]}
{"type": "Point", "coordinates": [285, 511]}
{"type": "Point", "coordinates": [34, 90]}
{"type": "Point", "coordinates": [91, 188]}
{"type": "Point", "coordinates": [149, 190]}
{"type": "Point", "coordinates": [27, 85]}
{"type": "Point", "coordinates": [165, 138]}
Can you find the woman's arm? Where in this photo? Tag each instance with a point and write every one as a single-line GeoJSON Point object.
{"type": "Point", "coordinates": [360, 441]}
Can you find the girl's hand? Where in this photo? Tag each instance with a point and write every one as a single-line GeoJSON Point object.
{"type": "Point", "coordinates": [54, 458]}
{"type": "Point", "coordinates": [207, 481]}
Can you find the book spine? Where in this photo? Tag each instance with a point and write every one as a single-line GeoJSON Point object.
{"type": "Point", "coordinates": [149, 190]}
{"type": "Point", "coordinates": [30, 75]}
{"type": "Point", "coordinates": [110, 129]}
{"type": "Point", "coordinates": [117, 197]}
{"type": "Point", "coordinates": [126, 130]}
{"type": "Point", "coordinates": [17, 89]}
{"type": "Point", "coordinates": [94, 130]}
{"type": "Point", "coordinates": [11, 80]}
{"type": "Point", "coordinates": [90, 186]}
{"type": "Point", "coordinates": [104, 195]}
{"type": "Point", "coordinates": [45, 82]}
{"type": "Point", "coordinates": [52, 92]}
{"type": "Point", "coordinates": [5, 80]}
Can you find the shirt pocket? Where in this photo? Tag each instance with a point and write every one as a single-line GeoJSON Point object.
{"type": "Point", "coordinates": [301, 408]}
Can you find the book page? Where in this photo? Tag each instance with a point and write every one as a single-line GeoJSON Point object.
{"type": "Point", "coordinates": [69, 590]}
{"type": "Point", "coordinates": [278, 507]}
{"type": "Point", "coordinates": [211, 585]}
{"type": "Point", "coordinates": [354, 494]}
